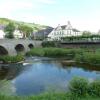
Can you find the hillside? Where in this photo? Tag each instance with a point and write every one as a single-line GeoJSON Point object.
{"type": "Point", "coordinates": [36, 27]}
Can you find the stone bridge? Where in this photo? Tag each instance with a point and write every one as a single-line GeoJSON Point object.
{"type": "Point", "coordinates": [14, 46]}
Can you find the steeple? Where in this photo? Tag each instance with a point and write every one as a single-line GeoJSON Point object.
{"type": "Point", "coordinates": [69, 26]}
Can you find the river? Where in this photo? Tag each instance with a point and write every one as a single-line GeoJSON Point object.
{"type": "Point", "coordinates": [39, 75]}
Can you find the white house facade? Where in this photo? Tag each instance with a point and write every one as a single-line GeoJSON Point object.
{"type": "Point", "coordinates": [2, 34]}
{"type": "Point", "coordinates": [63, 31]}
{"type": "Point", "coordinates": [18, 34]}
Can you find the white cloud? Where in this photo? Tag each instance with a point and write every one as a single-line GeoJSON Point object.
{"type": "Point", "coordinates": [7, 8]}
{"type": "Point", "coordinates": [14, 8]}
{"type": "Point", "coordinates": [29, 17]}
{"type": "Point", "coordinates": [46, 1]}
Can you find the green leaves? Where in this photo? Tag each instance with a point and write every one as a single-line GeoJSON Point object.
{"type": "Point", "coordinates": [9, 30]}
{"type": "Point", "coordinates": [94, 88]}
{"type": "Point", "coordinates": [78, 86]}
{"type": "Point", "coordinates": [26, 30]}
{"type": "Point", "coordinates": [11, 59]}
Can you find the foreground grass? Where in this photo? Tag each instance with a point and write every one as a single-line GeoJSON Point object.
{"type": "Point", "coordinates": [51, 96]}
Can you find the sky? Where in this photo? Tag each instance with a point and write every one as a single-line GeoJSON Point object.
{"type": "Point", "coordinates": [83, 14]}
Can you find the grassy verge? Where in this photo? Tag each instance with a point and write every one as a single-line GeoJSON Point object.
{"type": "Point", "coordinates": [11, 59]}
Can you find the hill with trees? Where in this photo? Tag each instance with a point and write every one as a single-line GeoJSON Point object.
{"type": "Point", "coordinates": [36, 27]}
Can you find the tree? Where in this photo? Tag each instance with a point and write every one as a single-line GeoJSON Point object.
{"type": "Point", "coordinates": [9, 30]}
{"type": "Point", "coordinates": [25, 30]}
{"type": "Point", "coordinates": [86, 33]}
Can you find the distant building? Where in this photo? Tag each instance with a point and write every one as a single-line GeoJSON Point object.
{"type": "Point", "coordinates": [42, 34]}
{"type": "Point", "coordinates": [63, 31]}
{"type": "Point", "coordinates": [17, 33]}
{"type": "Point", "coordinates": [2, 34]}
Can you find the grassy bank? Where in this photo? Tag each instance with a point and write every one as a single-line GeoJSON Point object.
{"type": "Point", "coordinates": [88, 58]}
{"type": "Point", "coordinates": [11, 59]}
{"type": "Point", "coordinates": [54, 52]}
{"type": "Point", "coordinates": [79, 55]}
{"type": "Point", "coordinates": [56, 96]}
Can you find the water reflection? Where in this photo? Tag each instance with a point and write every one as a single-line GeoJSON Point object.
{"type": "Point", "coordinates": [11, 71]}
{"type": "Point", "coordinates": [38, 75]}
{"type": "Point", "coordinates": [85, 67]}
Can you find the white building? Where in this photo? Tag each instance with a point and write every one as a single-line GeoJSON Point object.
{"type": "Point", "coordinates": [18, 34]}
{"type": "Point", "coordinates": [63, 31]}
{"type": "Point", "coordinates": [2, 34]}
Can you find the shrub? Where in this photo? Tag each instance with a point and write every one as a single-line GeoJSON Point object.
{"type": "Point", "coordinates": [78, 86]}
{"type": "Point", "coordinates": [48, 44]}
{"type": "Point", "coordinates": [90, 58]}
{"type": "Point", "coordinates": [11, 59]}
{"type": "Point", "coordinates": [94, 88]}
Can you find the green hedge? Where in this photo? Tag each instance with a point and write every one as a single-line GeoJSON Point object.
{"type": "Point", "coordinates": [48, 44]}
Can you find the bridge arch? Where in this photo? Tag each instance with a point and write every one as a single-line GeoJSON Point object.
{"type": "Point", "coordinates": [31, 46]}
{"type": "Point", "coordinates": [19, 48]}
{"type": "Point", "coordinates": [3, 51]}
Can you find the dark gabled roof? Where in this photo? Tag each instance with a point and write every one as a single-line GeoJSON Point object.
{"type": "Point", "coordinates": [75, 30]}
{"type": "Point", "coordinates": [44, 31]}
{"type": "Point", "coordinates": [64, 27]}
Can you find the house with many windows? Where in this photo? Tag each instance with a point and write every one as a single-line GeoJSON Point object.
{"type": "Point", "coordinates": [63, 31]}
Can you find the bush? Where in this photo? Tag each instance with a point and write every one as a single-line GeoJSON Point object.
{"type": "Point", "coordinates": [89, 58]}
{"type": "Point", "coordinates": [94, 88]}
{"type": "Point", "coordinates": [48, 44]}
{"type": "Point", "coordinates": [78, 86]}
{"type": "Point", "coordinates": [11, 59]}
